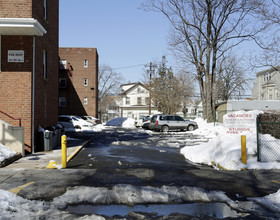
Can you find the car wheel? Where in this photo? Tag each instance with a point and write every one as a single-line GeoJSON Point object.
{"type": "Point", "coordinates": [77, 127]}
{"type": "Point", "coordinates": [190, 128]}
{"type": "Point", "coordinates": [165, 128]}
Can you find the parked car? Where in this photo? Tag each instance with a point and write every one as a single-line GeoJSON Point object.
{"type": "Point", "coordinates": [141, 121]}
{"type": "Point", "coordinates": [70, 122]}
{"type": "Point", "coordinates": [93, 120]}
{"type": "Point", "coordinates": [171, 122]}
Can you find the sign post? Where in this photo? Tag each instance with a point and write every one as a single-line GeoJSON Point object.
{"type": "Point", "coordinates": [237, 123]}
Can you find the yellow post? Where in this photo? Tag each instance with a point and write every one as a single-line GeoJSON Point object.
{"type": "Point", "coordinates": [63, 151]}
{"type": "Point", "coordinates": [243, 149]}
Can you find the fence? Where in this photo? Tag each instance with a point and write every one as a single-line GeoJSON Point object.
{"type": "Point", "coordinates": [268, 141]}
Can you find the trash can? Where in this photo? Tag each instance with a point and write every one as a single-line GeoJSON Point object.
{"type": "Point", "coordinates": [40, 140]}
{"type": "Point", "coordinates": [58, 130]}
{"type": "Point", "coordinates": [48, 140]}
{"type": "Point", "coordinates": [52, 137]}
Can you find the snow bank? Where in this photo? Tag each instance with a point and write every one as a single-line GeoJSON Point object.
{"type": "Point", "coordinates": [17, 208]}
{"type": "Point", "coordinates": [225, 149]}
{"type": "Point", "coordinates": [131, 195]}
{"type": "Point", "coordinates": [271, 202]}
{"type": "Point", "coordinates": [6, 153]}
{"type": "Point", "coordinates": [122, 122]}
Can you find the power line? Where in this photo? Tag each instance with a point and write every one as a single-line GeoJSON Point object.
{"type": "Point", "coordinates": [126, 67]}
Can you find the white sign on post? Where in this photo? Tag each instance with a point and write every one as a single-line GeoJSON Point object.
{"type": "Point", "coordinates": [15, 56]}
{"type": "Point", "coordinates": [238, 122]}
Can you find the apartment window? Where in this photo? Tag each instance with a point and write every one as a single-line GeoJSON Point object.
{"type": "Point", "coordinates": [85, 101]}
{"type": "Point", "coordinates": [62, 83]}
{"type": "Point", "coordinates": [139, 101]}
{"type": "Point", "coordinates": [127, 101]}
{"type": "Point", "coordinates": [147, 100]}
{"type": "Point", "coordinates": [85, 82]}
{"type": "Point", "coordinates": [62, 102]}
{"type": "Point", "coordinates": [46, 9]}
{"type": "Point", "coordinates": [85, 63]}
{"type": "Point", "coordinates": [63, 64]}
{"type": "Point", "coordinates": [45, 62]}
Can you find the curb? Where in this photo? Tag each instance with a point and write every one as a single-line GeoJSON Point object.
{"type": "Point", "coordinates": [77, 150]}
{"type": "Point", "coordinates": [10, 160]}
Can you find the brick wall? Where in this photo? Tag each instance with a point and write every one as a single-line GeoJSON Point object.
{"type": "Point", "coordinates": [76, 91]}
{"type": "Point", "coordinates": [16, 78]}
{"type": "Point", "coordinates": [16, 8]}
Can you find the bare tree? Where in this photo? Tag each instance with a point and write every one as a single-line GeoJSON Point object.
{"type": "Point", "coordinates": [203, 31]}
{"type": "Point", "coordinates": [109, 83]}
{"type": "Point", "coordinates": [269, 42]}
{"type": "Point", "coordinates": [232, 80]}
{"type": "Point", "coordinates": [170, 92]}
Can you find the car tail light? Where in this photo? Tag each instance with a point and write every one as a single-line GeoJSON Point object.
{"type": "Point", "coordinates": [156, 122]}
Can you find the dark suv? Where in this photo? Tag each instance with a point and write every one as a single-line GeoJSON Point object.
{"type": "Point", "coordinates": [171, 122]}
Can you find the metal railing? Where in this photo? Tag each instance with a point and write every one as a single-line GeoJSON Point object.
{"type": "Point", "coordinates": [11, 117]}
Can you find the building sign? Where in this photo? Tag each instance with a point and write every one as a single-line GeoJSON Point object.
{"type": "Point", "coordinates": [15, 56]}
{"type": "Point", "coordinates": [238, 122]}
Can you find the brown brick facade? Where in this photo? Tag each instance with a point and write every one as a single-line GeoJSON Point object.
{"type": "Point", "coordinates": [76, 91]}
{"type": "Point", "coordinates": [16, 79]}
{"type": "Point", "coordinates": [16, 8]}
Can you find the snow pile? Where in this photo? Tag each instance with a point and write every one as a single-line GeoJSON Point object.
{"type": "Point", "coordinates": [209, 130]}
{"type": "Point", "coordinates": [271, 202]}
{"type": "Point", "coordinates": [224, 149]}
{"type": "Point", "coordinates": [15, 207]}
{"type": "Point", "coordinates": [131, 195]}
{"type": "Point", "coordinates": [6, 153]}
{"type": "Point", "coordinates": [122, 122]}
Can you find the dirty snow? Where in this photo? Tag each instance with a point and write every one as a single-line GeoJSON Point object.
{"type": "Point", "coordinates": [221, 149]}
{"type": "Point", "coordinates": [6, 153]}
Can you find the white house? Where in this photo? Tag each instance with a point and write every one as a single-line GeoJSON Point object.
{"type": "Point", "coordinates": [267, 85]}
{"type": "Point", "coordinates": [135, 101]}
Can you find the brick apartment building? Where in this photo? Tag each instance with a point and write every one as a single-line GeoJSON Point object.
{"type": "Point", "coordinates": [78, 81]}
{"type": "Point", "coordinates": [29, 64]}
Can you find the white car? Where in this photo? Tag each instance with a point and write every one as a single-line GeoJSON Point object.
{"type": "Point", "coordinates": [93, 120]}
{"type": "Point", "coordinates": [70, 122]}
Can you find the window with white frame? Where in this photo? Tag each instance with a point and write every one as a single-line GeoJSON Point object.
{"type": "Point", "coordinates": [85, 82]}
{"type": "Point", "coordinates": [127, 101]}
{"type": "Point", "coordinates": [63, 64]}
{"type": "Point", "coordinates": [45, 62]}
{"type": "Point", "coordinates": [139, 101]}
{"type": "Point", "coordinates": [62, 102]}
{"type": "Point", "coordinates": [147, 100]}
{"type": "Point", "coordinates": [85, 101]}
{"type": "Point", "coordinates": [85, 63]}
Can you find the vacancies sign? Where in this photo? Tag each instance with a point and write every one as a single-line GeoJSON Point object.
{"type": "Point", "coordinates": [238, 122]}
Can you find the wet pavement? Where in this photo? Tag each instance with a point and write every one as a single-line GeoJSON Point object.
{"type": "Point", "coordinates": [130, 156]}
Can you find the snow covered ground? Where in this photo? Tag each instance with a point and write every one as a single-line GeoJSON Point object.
{"type": "Point", "coordinates": [222, 149]}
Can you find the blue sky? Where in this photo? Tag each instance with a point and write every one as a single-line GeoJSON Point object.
{"type": "Point", "coordinates": [123, 34]}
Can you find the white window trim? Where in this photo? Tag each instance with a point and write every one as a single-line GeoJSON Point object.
{"type": "Point", "coordinates": [85, 63]}
{"type": "Point", "coordinates": [85, 101]}
{"type": "Point", "coordinates": [85, 81]}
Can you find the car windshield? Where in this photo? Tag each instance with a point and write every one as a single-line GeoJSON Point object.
{"type": "Point", "coordinates": [74, 118]}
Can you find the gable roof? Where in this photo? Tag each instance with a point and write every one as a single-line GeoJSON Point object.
{"type": "Point", "coordinates": [133, 87]}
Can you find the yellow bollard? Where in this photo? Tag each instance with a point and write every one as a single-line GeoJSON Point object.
{"type": "Point", "coordinates": [243, 149]}
{"type": "Point", "coordinates": [63, 151]}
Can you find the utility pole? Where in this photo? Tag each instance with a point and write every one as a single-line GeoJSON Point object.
{"type": "Point", "coordinates": [151, 71]}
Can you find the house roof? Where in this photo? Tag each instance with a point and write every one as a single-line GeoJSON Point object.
{"type": "Point", "coordinates": [270, 70]}
{"type": "Point", "coordinates": [21, 26]}
{"type": "Point", "coordinates": [133, 87]}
